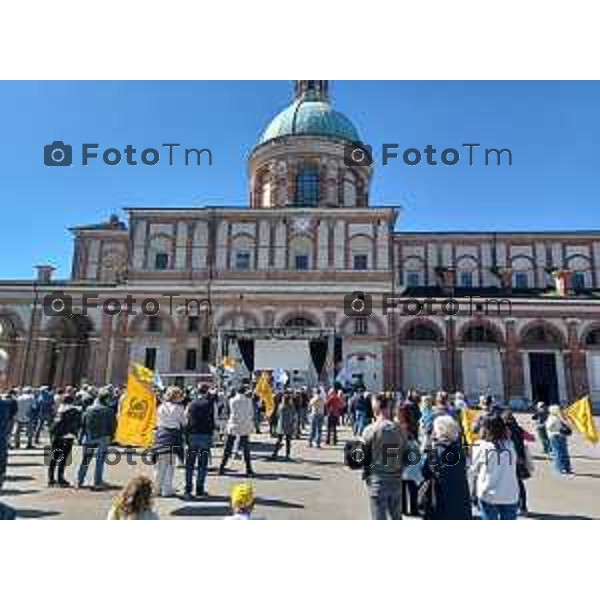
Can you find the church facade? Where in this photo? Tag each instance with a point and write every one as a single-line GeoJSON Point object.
{"type": "Point", "coordinates": [523, 318]}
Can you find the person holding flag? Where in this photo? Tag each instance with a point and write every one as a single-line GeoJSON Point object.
{"type": "Point", "coordinates": [580, 415]}
{"type": "Point", "coordinates": [137, 409]}
{"type": "Point", "coordinates": [558, 431]}
{"type": "Point", "coordinates": [264, 391]}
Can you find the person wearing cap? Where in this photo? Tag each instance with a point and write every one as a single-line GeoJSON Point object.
{"type": "Point", "coordinates": [242, 502]}
{"type": "Point", "coordinates": [168, 439]}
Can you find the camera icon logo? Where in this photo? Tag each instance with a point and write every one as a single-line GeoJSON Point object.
{"type": "Point", "coordinates": [358, 304]}
{"type": "Point", "coordinates": [57, 304]}
{"type": "Point", "coordinates": [357, 154]}
{"type": "Point", "coordinates": [356, 455]}
{"type": "Point", "coordinates": [58, 154]}
{"type": "Point", "coordinates": [56, 455]}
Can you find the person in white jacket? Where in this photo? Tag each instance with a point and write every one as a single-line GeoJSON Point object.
{"type": "Point", "coordinates": [240, 424]}
{"type": "Point", "coordinates": [494, 470]}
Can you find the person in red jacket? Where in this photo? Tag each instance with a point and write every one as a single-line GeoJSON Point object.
{"type": "Point", "coordinates": [334, 407]}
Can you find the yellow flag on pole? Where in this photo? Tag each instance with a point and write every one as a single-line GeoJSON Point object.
{"type": "Point", "coordinates": [468, 416]}
{"type": "Point", "coordinates": [580, 414]}
{"type": "Point", "coordinates": [228, 363]}
{"type": "Point", "coordinates": [137, 413]}
{"type": "Point", "coordinates": [264, 391]}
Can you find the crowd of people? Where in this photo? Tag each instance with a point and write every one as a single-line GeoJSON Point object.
{"type": "Point", "coordinates": [443, 465]}
{"type": "Point", "coordinates": [418, 480]}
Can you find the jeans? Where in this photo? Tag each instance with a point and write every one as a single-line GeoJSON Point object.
{"type": "Point", "coordinates": [28, 428]}
{"type": "Point", "coordinates": [332, 425]}
{"type": "Point", "coordinates": [39, 425]}
{"type": "Point", "coordinates": [164, 472]}
{"type": "Point", "coordinates": [59, 458]}
{"type": "Point", "coordinates": [316, 430]}
{"type": "Point", "coordinates": [543, 436]}
{"type": "Point", "coordinates": [410, 498]}
{"type": "Point", "coordinates": [498, 512]}
{"type": "Point", "coordinates": [361, 422]}
{"type": "Point", "coordinates": [386, 503]}
{"type": "Point", "coordinates": [244, 444]}
{"type": "Point", "coordinates": [198, 453]}
{"type": "Point", "coordinates": [3, 459]}
{"type": "Point", "coordinates": [522, 496]}
{"type": "Point", "coordinates": [560, 449]}
{"type": "Point", "coordinates": [93, 447]}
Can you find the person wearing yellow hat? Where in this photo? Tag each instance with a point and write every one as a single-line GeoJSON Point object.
{"type": "Point", "coordinates": [242, 502]}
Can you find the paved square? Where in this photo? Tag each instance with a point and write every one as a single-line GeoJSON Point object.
{"type": "Point", "coordinates": [315, 485]}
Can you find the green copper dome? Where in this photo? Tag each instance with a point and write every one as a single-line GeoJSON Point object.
{"type": "Point", "coordinates": [310, 114]}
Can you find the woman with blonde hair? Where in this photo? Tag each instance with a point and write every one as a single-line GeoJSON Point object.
{"type": "Point", "coordinates": [134, 502]}
{"type": "Point", "coordinates": [168, 439]}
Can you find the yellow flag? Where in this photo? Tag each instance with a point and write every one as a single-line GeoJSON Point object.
{"type": "Point", "coordinates": [580, 414]}
{"type": "Point", "coordinates": [264, 391]}
{"type": "Point", "coordinates": [137, 414]}
{"type": "Point", "coordinates": [228, 363]}
{"type": "Point", "coordinates": [468, 417]}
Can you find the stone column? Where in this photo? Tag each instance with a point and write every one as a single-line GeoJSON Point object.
{"type": "Point", "coordinates": [16, 359]}
{"type": "Point", "coordinates": [449, 358]}
{"type": "Point", "coordinates": [179, 344]}
{"type": "Point", "coordinates": [118, 355]}
{"type": "Point", "coordinates": [513, 363]}
{"type": "Point", "coordinates": [30, 351]}
{"type": "Point", "coordinates": [575, 362]}
{"type": "Point", "coordinates": [44, 354]}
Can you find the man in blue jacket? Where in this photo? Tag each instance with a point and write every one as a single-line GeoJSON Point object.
{"type": "Point", "coordinates": [99, 424]}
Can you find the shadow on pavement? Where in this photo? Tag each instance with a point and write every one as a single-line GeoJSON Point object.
{"type": "Point", "coordinates": [32, 513]}
{"type": "Point", "coordinates": [287, 476]}
{"type": "Point", "coordinates": [555, 517]}
{"type": "Point", "coordinates": [323, 463]}
{"type": "Point", "coordinates": [592, 475]}
{"type": "Point", "coordinates": [19, 478]}
{"type": "Point", "coordinates": [277, 503]}
{"type": "Point", "coordinates": [14, 465]}
{"type": "Point", "coordinates": [17, 492]}
{"type": "Point", "coordinates": [199, 510]}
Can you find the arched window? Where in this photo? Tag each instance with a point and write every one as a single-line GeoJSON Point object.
{"type": "Point", "coordinates": [299, 322]}
{"type": "Point", "coordinates": [593, 338]}
{"type": "Point", "coordinates": [308, 187]}
{"type": "Point", "coordinates": [479, 334]}
{"type": "Point", "coordinates": [540, 335]}
{"type": "Point", "coordinates": [422, 332]}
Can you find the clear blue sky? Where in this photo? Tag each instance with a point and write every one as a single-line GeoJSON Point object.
{"type": "Point", "coordinates": [552, 129]}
